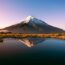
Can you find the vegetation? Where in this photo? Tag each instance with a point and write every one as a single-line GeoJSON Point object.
{"type": "Point", "coordinates": [50, 35]}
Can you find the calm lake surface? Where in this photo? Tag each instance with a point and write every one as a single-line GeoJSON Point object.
{"type": "Point", "coordinates": [47, 52]}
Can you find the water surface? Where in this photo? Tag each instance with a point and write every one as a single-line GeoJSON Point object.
{"type": "Point", "coordinates": [49, 51]}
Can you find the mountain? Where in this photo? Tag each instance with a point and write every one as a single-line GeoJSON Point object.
{"type": "Point", "coordinates": [33, 25]}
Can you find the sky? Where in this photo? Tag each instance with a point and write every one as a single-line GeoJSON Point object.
{"type": "Point", "coordinates": [50, 11]}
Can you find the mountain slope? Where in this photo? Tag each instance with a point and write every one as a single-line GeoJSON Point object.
{"type": "Point", "coordinates": [33, 25]}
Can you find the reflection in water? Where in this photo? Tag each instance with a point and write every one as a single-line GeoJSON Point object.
{"type": "Point", "coordinates": [26, 42]}
{"type": "Point", "coordinates": [42, 52]}
{"type": "Point", "coordinates": [31, 41]}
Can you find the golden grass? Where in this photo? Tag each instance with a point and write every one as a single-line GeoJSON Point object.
{"type": "Point", "coordinates": [51, 35]}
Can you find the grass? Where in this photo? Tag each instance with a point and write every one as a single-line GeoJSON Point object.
{"type": "Point", "coordinates": [50, 35]}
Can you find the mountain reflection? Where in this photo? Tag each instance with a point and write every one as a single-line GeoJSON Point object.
{"type": "Point", "coordinates": [31, 41]}
{"type": "Point", "coordinates": [42, 51]}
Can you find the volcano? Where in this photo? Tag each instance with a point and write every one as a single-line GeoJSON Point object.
{"type": "Point", "coordinates": [33, 25]}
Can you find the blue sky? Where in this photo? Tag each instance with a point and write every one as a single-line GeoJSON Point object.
{"type": "Point", "coordinates": [50, 11]}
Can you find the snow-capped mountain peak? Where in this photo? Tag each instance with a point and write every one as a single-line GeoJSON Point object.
{"type": "Point", "coordinates": [33, 25]}
{"type": "Point", "coordinates": [33, 20]}
{"type": "Point", "coordinates": [28, 19]}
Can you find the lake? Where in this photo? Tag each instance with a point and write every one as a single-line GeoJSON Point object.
{"type": "Point", "coordinates": [47, 52]}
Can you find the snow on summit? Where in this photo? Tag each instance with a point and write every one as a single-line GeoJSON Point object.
{"type": "Point", "coordinates": [28, 19]}
{"type": "Point", "coordinates": [33, 19]}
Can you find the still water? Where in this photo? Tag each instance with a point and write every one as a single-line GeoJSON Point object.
{"type": "Point", "coordinates": [47, 52]}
